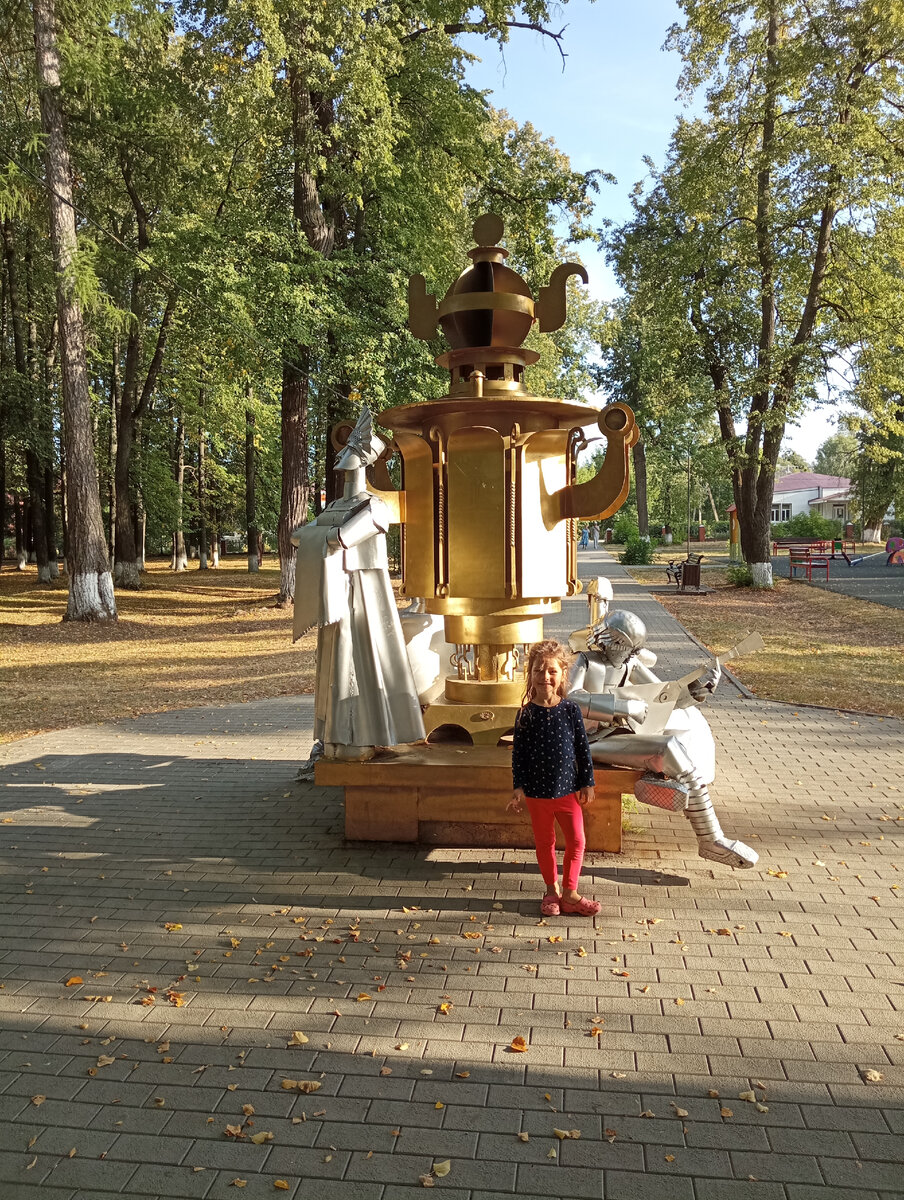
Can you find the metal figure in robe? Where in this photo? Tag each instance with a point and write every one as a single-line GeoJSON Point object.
{"type": "Point", "coordinates": [365, 694]}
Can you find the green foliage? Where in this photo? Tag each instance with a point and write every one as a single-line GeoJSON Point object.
{"type": "Point", "coordinates": [837, 455]}
{"type": "Point", "coordinates": [807, 525]}
{"type": "Point", "coordinates": [624, 527]}
{"type": "Point", "coordinates": [739, 576]}
{"type": "Point", "coordinates": [638, 551]}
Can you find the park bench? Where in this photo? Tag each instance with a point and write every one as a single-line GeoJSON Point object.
{"type": "Point", "coordinates": [685, 574]}
{"type": "Point", "coordinates": [833, 547]}
{"type": "Point", "coordinates": [808, 560]}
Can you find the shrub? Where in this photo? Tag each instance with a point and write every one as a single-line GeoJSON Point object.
{"type": "Point", "coordinates": [807, 525]}
{"type": "Point", "coordinates": [638, 551]}
{"type": "Point", "coordinates": [740, 576]}
{"type": "Point", "coordinates": [718, 529]}
{"type": "Point", "coordinates": [625, 529]}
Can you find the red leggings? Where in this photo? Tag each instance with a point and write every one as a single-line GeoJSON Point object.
{"type": "Point", "coordinates": [570, 815]}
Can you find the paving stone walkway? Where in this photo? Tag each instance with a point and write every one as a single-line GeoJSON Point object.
{"type": "Point", "coordinates": [174, 907]}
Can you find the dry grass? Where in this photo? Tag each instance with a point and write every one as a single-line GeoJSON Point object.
{"type": "Point", "coordinates": [821, 647]}
{"type": "Point", "coordinates": [193, 638]}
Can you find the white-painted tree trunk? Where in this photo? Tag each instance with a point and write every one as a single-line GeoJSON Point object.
{"type": "Point", "coordinates": [872, 535]}
{"type": "Point", "coordinates": [287, 579]}
{"type": "Point", "coordinates": [44, 573]}
{"type": "Point", "coordinates": [20, 561]}
{"type": "Point", "coordinates": [127, 574]}
{"type": "Point", "coordinates": [54, 567]}
{"type": "Point", "coordinates": [253, 564]}
{"type": "Point", "coordinates": [762, 574]}
{"type": "Point", "coordinates": [214, 556]}
{"type": "Point", "coordinates": [91, 597]}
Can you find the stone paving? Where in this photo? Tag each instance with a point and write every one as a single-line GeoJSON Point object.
{"type": "Point", "coordinates": [176, 853]}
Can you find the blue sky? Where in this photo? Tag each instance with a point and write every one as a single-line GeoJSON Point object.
{"type": "Point", "coordinates": [615, 102]}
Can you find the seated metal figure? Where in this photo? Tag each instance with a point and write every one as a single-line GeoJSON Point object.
{"type": "Point", "coordinates": [365, 696]}
{"type": "Point", "coordinates": [674, 743]}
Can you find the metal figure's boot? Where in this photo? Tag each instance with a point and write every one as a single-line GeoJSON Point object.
{"type": "Point", "coordinates": [711, 841]}
{"type": "Point", "coordinates": [306, 770]}
{"type": "Point", "coordinates": [660, 792]}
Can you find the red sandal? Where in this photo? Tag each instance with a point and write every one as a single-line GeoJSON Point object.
{"type": "Point", "coordinates": [579, 908]}
{"type": "Point", "coordinates": [549, 905]}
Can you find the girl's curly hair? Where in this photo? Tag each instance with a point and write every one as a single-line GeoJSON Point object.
{"type": "Point", "coordinates": [540, 652]}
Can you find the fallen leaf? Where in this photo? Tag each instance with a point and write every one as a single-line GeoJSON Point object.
{"type": "Point", "coordinates": [561, 1134]}
{"type": "Point", "coordinates": [263, 1136]}
{"type": "Point", "coordinates": [670, 1158]}
{"type": "Point", "coordinates": [873, 1076]}
{"type": "Point", "coordinates": [171, 926]}
{"type": "Point", "coordinates": [427, 1181]}
{"type": "Point", "coordinates": [523, 1137]}
{"type": "Point", "coordinates": [619, 1075]}
{"type": "Point", "coordinates": [239, 1183]}
{"type": "Point", "coordinates": [385, 1070]}
{"type": "Point", "coordinates": [647, 1113]}
{"type": "Point", "coordinates": [363, 996]}
{"type": "Point", "coordinates": [442, 1168]}
{"type": "Point", "coordinates": [73, 1152]}
{"type": "Point", "coordinates": [467, 1074]}
{"type": "Point", "coordinates": [402, 1046]}
{"type": "Point", "coordinates": [234, 1131]}
{"type": "Point", "coordinates": [33, 1163]}
{"type": "Point", "coordinates": [37, 1101]}
{"type": "Point", "coordinates": [551, 1154]}
{"type": "Point", "coordinates": [725, 1112]}
{"type": "Point", "coordinates": [554, 939]}
{"type": "Point", "coordinates": [444, 1008]}
{"type": "Point", "coordinates": [73, 980]}
{"type": "Point", "coordinates": [781, 874]}
{"type": "Point", "coordinates": [761, 1107]}
{"type": "Point", "coordinates": [679, 1112]}
{"type": "Point", "coordinates": [281, 1185]}
{"type": "Point", "coordinates": [519, 1045]}
{"type": "Point", "coordinates": [248, 1110]}
{"type": "Point", "coordinates": [750, 1097]}
{"type": "Point", "coordinates": [713, 1094]}
{"type": "Point", "coordinates": [439, 1104]}
{"type": "Point", "coordinates": [610, 1135]}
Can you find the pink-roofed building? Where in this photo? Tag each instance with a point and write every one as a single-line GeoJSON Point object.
{"type": "Point", "coordinates": [808, 492]}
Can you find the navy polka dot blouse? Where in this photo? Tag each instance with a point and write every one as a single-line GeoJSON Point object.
{"type": "Point", "coordinates": [550, 751]}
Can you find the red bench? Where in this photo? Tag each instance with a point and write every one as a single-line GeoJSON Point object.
{"type": "Point", "coordinates": [803, 558]}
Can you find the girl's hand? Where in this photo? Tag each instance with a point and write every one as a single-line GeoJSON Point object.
{"type": "Point", "coordinates": [514, 805]}
{"type": "Point", "coordinates": [585, 796]}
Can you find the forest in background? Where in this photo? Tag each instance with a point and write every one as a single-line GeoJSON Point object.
{"type": "Point", "coordinates": [252, 185]}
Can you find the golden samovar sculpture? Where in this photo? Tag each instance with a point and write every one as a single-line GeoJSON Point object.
{"type": "Point", "coordinates": [489, 505]}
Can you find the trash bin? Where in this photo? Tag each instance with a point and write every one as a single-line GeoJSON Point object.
{"type": "Point", "coordinates": [608, 535]}
{"type": "Point", "coordinates": [701, 533]}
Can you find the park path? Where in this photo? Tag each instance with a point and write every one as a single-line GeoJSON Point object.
{"type": "Point", "coordinates": [176, 852]}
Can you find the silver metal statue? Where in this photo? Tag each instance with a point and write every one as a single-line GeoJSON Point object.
{"type": "Point", "coordinates": [659, 729]}
{"type": "Point", "coordinates": [365, 696]}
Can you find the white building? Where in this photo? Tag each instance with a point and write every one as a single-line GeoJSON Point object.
{"type": "Point", "coordinates": [806, 492]}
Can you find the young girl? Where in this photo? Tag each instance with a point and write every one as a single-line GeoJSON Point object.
{"type": "Point", "coordinates": [552, 772]}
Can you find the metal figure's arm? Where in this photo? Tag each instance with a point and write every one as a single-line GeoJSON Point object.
{"type": "Point", "coordinates": [357, 528]}
{"type": "Point", "coordinates": [601, 706]}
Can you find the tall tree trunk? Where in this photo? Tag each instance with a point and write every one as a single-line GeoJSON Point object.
{"type": "Point", "coordinates": [293, 506]}
{"type": "Point", "coordinates": [250, 492]}
{"type": "Point", "coordinates": [111, 452]}
{"type": "Point", "coordinates": [179, 560]}
{"type": "Point", "coordinates": [19, 518]}
{"type": "Point", "coordinates": [202, 500]}
{"type": "Point", "coordinates": [90, 582]}
{"type": "Point", "coordinates": [50, 524]}
{"type": "Point", "coordinates": [639, 455]}
{"type": "Point", "coordinates": [2, 493]}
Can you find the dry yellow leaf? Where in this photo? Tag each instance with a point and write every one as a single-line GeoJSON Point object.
{"type": "Point", "coordinates": [713, 1094]}
{"type": "Point", "coordinates": [426, 1181]}
{"type": "Point", "coordinates": [442, 1168]}
{"type": "Point", "coordinates": [439, 1104]}
{"type": "Point", "coordinates": [873, 1076]}
{"type": "Point", "coordinates": [554, 939]}
{"type": "Point", "coordinates": [761, 1107]}
{"type": "Point", "coordinates": [778, 874]}
{"type": "Point", "coordinates": [171, 926]}
{"type": "Point", "coordinates": [297, 1039]}
{"type": "Point", "coordinates": [234, 1131]}
{"type": "Point", "coordinates": [445, 1007]}
{"type": "Point", "coordinates": [648, 1113]}
{"type": "Point", "coordinates": [363, 996]}
{"type": "Point", "coordinates": [248, 1110]}
{"type": "Point", "coordinates": [264, 1136]}
{"type": "Point", "coordinates": [73, 980]}
{"type": "Point", "coordinates": [462, 1074]}
{"type": "Point", "coordinates": [239, 1183]}
{"type": "Point", "coordinates": [523, 1137]}
{"type": "Point", "coordinates": [726, 1112]}
{"type": "Point", "coordinates": [281, 1185]}
{"type": "Point", "coordinates": [679, 1112]}
{"type": "Point", "coordinates": [518, 1044]}
{"type": "Point", "coordinates": [551, 1154]}
{"type": "Point", "coordinates": [750, 1097]}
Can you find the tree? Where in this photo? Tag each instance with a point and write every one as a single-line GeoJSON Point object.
{"type": "Point", "coordinates": [761, 233]}
{"type": "Point", "coordinates": [790, 461]}
{"type": "Point", "coordinates": [837, 455]}
{"type": "Point", "coordinates": [90, 582]}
